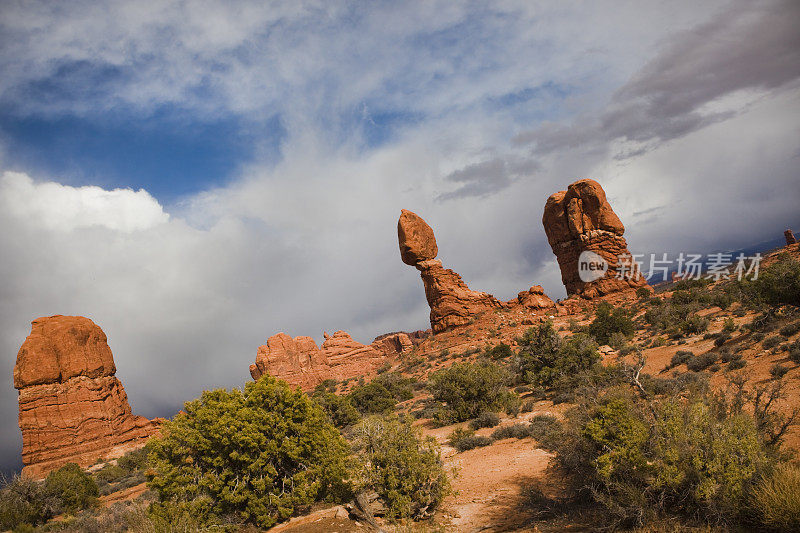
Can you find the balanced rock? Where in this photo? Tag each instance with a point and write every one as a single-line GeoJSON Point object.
{"type": "Point", "coordinates": [581, 220]}
{"type": "Point", "coordinates": [790, 238]}
{"type": "Point", "coordinates": [417, 242]}
{"type": "Point", "coordinates": [452, 303]}
{"type": "Point", "coordinates": [72, 408]}
{"type": "Point", "coordinates": [300, 362]}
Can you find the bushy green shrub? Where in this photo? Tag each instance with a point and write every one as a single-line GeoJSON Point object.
{"type": "Point", "coordinates": [609, 320]}
{"type": "Point", "coordinates": [776, 498]}
{"type": "Point", "coordinates": [643, 293]}
{"type": "Point", "coordinates": [544, 358]}
{"type": "Point", "coordinates": [372, 398]}
{"type": "Point", "coordinates": [72, 487]}
{"type": "Point", "coordinates": [468, 389]}
{"type": "Point", "coordinates": [400, 386]}
{"type": "Point", "coordinates": [501, 351]}
{"type": "Point", "coordinates": [695, 454]}
{"type": "Point", "coordinates": [258, 455]}
{"type": "Point", "coordinates": [486, 419]}
{"type": "Point", "coordinates": [776, 284]}
{"type": "Point", "coordinates": [402, 466]}
{"type": "Point", "coordinates": [340, 411]}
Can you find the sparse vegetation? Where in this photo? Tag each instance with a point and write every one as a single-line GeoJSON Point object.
{"type": "Point", "coordinates": [401, 465]}
{"type": "Point", "coordinates": [771, 342]}
{"type": "Point", "coordinates": [465, 439]}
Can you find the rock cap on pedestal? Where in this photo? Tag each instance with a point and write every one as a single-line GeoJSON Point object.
{"type": "Point", "coordinates": [416, 238]}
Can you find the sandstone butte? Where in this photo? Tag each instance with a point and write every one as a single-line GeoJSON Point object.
{"type": "Point", "coordinates": [300, 362]}
{"type": "Point", "coordinates": [72, 408]}
{"type": "Point", "coordinates": [581, 219]}
{"type": "Point", "coordinates": [451, 301]}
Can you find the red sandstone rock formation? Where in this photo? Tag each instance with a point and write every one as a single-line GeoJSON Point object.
{"type": "Point", "coordinates": [790, 238]}
{"type": "Point", "coordinates": [71, 407]}
{"type": "Point", "coordinates": [534, 298]}
{"type": "Point", "coordinates": [580, 220]}
{"type": "Point", "coordinates": [300, 362]}
{"type": "Point", "coordinates": [452, 302]}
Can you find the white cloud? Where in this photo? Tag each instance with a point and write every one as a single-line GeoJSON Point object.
{"type": "Point", "coordinates": [64, 208]}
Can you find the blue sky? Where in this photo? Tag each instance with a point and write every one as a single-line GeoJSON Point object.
{"type": "Point", "coordinates": [196, 176]}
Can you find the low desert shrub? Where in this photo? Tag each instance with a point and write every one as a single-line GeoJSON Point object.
{"type": "Point", "coordinates": [722, 339]}
{"type": "Point", "coordinates": [515, 431]}
{"type": "Point", "coordinates": [701, 362]}
{"type": "Point", "coordinates": [680, 357]}
{"type": "Point", "coordinates": [501, 351]}
{"type": "Point", "coordinates": [794, 352]}
{"type": "Point", "coordinates": [778, 371]}
{"type": "Point", "coordinates": [465, 439]}
{"type": "Point", "coordinates": [72, 487]}
{"type": "Point", "coordinates": [486, 419]}
{"type": "Point", "coordinates": [404, 468]}
{"type": "Point", "coordinates": [776, 284]}
{"type": "Point", "coordinates": [790, 329]}
{"type": "Point", "coordinates": [693, 324]}
{"type": "Point", "coordinates": [771, 342]}
{"type": "Point", "coordinates": [728, 326]}
{"type": "Point", "coordinates": [609, 320]}
{"type": "Point", "coordinates": [545, 429]}
{"type": "Point", "coordinates": [698, 456]}
{"type": "Point", "coordinates": [736, 364]}
{"type": "Point", "coordinates": [25, 503]}
{"type": "Point", "coordinates": [468, 389]}
{"type": "Point", "coordinates": [776, 498]}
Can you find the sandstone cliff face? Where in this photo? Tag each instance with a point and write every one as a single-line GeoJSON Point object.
{"type": "Point", "coordinates": [300, 362]}
{"type": "Point", "coordinates": [452, 302]}
{"type": "Point", "coordinates": [71, 406]}
{"type": "Point", "coordinates": [580, 219]}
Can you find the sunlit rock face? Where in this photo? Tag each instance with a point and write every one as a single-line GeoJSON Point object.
{"type": "Point", "coordinates": [581, 221]}
{"type": "Point", "coordinates": [72, 408]}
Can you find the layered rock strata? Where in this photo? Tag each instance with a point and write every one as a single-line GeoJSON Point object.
{"type": "Point", "coordinates": [72, 408]}
{"type": "Point", "coordinates": [586, 236]}
{"type": "Point", "coordinates": [300, 362]}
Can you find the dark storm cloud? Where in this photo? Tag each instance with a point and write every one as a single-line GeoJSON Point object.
{"type": "Point", "coordinates": [488, 177]}
{"type": "Point", "coordinates": [752, 46]}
